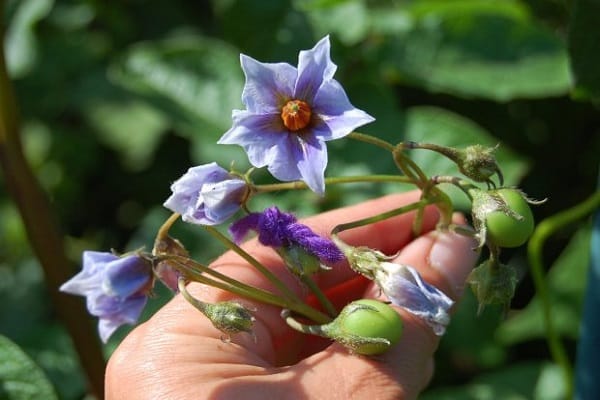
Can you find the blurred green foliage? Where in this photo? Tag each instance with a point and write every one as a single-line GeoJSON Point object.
{"type": "Point", "coordinates": [119, 98]}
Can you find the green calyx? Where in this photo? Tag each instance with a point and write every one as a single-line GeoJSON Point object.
{"type": "Point", "coordinates": [493, 283]}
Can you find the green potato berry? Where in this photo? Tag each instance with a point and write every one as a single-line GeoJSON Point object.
{"type": "Point", "coordinates": [512, 226]}
{"type": "Point", "coordinates": [369, 326]}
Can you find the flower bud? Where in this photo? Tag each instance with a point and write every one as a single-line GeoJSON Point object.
{"type": "Point", "coordinates": [493, 283]}
{"type": "Point", "coordinates": [478, 163]}
{"type": "Point", "coordinates": [229, 317]}
{"type": "Point", "coordinates": [362, 259]}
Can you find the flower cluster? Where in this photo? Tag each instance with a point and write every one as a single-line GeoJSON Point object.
{"type": "Point", "coordinates": [290, 113]}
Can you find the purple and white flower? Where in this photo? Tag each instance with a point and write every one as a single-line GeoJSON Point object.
{"type": "Point", "coordinates": [116, 288]}
{"type": "Point", "coordinates": [290, 114]}
{"type": "Point", "coordinates": [281, 230]}
{"type": "Point", "coordinates": [206, 195]}
{"type": "Point", "coordinates": [405, 288]}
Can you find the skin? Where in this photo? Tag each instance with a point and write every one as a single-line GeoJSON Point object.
{"type": "Point", "coordinates": [178, 354]}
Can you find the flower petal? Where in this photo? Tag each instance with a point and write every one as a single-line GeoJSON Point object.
{"type": "Point", "coordinates": [127, 275]}
{"type": "Point", "coordinates": [128, 313]}
{"type": "Point", "coordinates": [314, 67]}
{"type": "Point", "coordinates": [311, 162]}
{"type": "Point", "coordinates": [221, 199]}
{"type": "Point", "coordinates": [335, 110]}
{"type": "Point", "coordinates": [267, 86]}
{"type": "Point", "coordinates": [90, 277]}
{"type": "Point", "coordinates": [405, 288]}
{"type": "Point", "coordinates": [258, 134]}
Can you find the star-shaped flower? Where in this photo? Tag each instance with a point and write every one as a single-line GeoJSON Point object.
{"type": "Point", "coordinates": [116, 288]}
{"type": "Point", "coordinates": [291, 113]}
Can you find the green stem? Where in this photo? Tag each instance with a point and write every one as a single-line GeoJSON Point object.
{"type": "Point", "coordinates": [271, 277]}
{"type": "Point", "coordinates": [300, 327]}
{"type": "Point", "coordinates": [380, 217]}
{"type": "Point", "coordinates": [163, 231]}
{"type": "Point", "coordinates": [43, 233]}
{"type": "Point", "coordinates": [545, 229]}
{"type": "Point", "coordinates": [201, 306]}
{"type": "Point", "coordinates": [331, 181]}
{"type": "Point", "coordinates": [323, 300]}
{"type": "Point", "coordinates": [194, 271]}
{"type": "Point", "coordinates": [362, 137]}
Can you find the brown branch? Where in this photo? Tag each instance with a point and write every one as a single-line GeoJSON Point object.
{"type": "Point", "coordinates": [43, 233]}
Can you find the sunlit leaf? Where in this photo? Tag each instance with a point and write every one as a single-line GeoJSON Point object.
{"type": "Point", "coordinates": [21, 41]}
{"type": "Point", "coordinates": [132, 128]}
{"type": "Point", "coordinates": [20, 377]}
{"type": "Point", "coordinates": [525, 381]}
{"type": "Point", "coordinates": [466, 50]}
{"type": "Point", "coordinates": [193, 79]}
{"type": "Point", "coordinates": [347, 20]}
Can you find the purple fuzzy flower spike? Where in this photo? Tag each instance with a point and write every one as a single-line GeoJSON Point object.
{"type": "Point", "coordinates": [281, 230]}
{"type": "Point", "coordinates": [291, 113]}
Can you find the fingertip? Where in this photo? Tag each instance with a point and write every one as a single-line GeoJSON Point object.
{"type": "Point", "coordinates": [452, 256]}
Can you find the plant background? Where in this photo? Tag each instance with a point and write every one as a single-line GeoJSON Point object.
{"type": "Point", "coordinates": [118, 98]}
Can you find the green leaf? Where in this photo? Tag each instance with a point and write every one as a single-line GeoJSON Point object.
{"type": "Point", "coordinates": [468, 49]}
{"type": "Point", "coordinates": [525, 381]}
{"type": "Point", "coordinates": [566, 285]}
{"type": "Point", "coordinates": [347, 20]}
{"type": "Point", "coordinates": [584, 37]}
{"type": "Point", "coordinates": [195, 80]}
{"type": "Point", "coordinates": [132, 128]}
{"type": "Point", "coordinates": [20, 377]}
{"type": "Point", "coordinates": [21, 41]}
{"type": "Point", "coordinates": [445, 128]}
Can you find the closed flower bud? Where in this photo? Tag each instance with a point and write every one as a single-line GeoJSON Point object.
{"type": "Point", "coordinates": [476, 162]}
{"type": "Point", "coordinates": [493, 283]}
{"type": "Point", "coordinates": [229, 317]}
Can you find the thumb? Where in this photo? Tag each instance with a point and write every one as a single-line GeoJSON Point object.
{"type": "Point", "coordinates": [444, 260]}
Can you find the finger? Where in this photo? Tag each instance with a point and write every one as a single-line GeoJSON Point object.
{"type": "Point", "coordinates": [444, 260]}
{"type": "Point", "coordinates": [388, 236]}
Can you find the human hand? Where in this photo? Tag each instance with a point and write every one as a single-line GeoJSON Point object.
{"type": "Point", "coordinates": [178, 354]}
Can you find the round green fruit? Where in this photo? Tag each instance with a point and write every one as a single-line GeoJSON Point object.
{"type": "Point", "coordinates": [370, 319]}
{"type": "Point", "coordinates": [508, 230]}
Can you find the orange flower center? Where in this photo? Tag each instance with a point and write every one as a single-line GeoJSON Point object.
{"type": "Point", "coordinates": [295, 115]}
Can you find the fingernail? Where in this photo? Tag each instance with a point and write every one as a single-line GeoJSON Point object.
{"type": "Point", "coordinates": [452, 255]}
